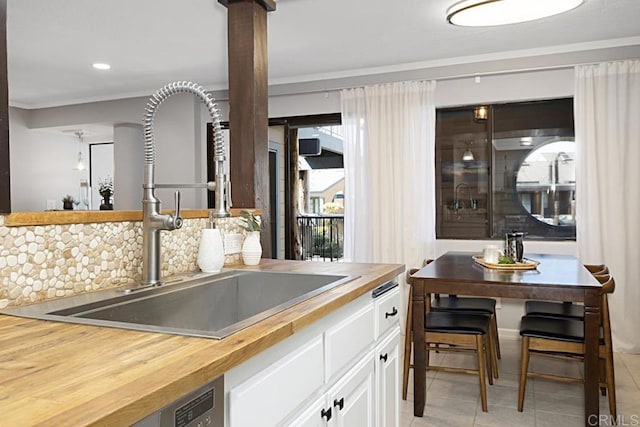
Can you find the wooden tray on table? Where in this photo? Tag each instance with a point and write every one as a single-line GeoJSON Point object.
{"type": "Point", "coordinates": [526, 264]}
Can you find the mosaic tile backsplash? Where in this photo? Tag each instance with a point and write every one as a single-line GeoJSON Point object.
{"type": "Point", "coordinates": [52, 261]}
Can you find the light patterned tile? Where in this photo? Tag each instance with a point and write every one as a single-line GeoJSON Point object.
{"type": "Point", "coordinates": [541, 385]}
{"type": "Point", "coordinates": [447, 412]}
{"type": "Point", "coordinates": [549, 419]}
{"type": "Point", "coordinates": [507, 396]}
{"type": "Point", "coordinates": [561, 367]}
{"type": "Point", "coordinates": [453, 389]}
{"type": "Point", "coordinates": [559, 403]}
{"type": "Point", "coordinates": [501, 416]}
{"type": "Point", "coordinates": [632, 363]}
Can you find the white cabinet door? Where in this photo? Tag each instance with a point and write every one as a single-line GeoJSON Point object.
{"type": "Point", "coordinates": [268, 397]}
{"type": "Point", "coordinates": [347, 340]}
{"type": "Point", "coordinates": [388, 380]}
{"type": "Point", "coordinates": [314, 416]}
{"type": "Point", "coordinates": [352, 398]}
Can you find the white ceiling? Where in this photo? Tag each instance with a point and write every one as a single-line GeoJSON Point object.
{"type": "Point", "coordinates": [52, 43]}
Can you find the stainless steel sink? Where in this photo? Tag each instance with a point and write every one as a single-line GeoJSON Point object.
{"type": "Point", "coordinates": [212, 306]}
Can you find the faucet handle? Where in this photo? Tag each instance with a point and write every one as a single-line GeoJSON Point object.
{"type": "Point", "coordinates": [227, 195]}
{"type": "Point", "coordinates": [177, 220]}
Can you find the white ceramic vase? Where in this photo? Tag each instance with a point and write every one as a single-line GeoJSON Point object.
{"type": "Point", "coordinates": [251, 248]}
{"type": "Point", "coordinates": [211, 251]}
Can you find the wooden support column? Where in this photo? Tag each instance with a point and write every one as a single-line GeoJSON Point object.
{"type": "Point", "coordinates": [5, 182]}
{"type": "Point", "coordinates": [248, 108]}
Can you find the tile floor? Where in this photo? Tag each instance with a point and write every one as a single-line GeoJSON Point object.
{"type": "Point", "coordinates": [454, 399]}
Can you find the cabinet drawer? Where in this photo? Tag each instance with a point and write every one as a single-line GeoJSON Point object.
{"type": "Point", "coordinates": [269, 396]}
{"type": "Point", "coordinates": [387, 309]}
{"type": "Point", "coordinates": [347, 339]}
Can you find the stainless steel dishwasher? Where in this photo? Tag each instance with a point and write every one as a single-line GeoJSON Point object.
{"type": "Point", "coordinates": [203, 407]}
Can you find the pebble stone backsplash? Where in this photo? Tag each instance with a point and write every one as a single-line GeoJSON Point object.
{"type": "Point", "coordinates": [52, 261]}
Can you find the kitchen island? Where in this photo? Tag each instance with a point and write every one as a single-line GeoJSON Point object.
{"type": "Point", "coordinates": [64, 374]}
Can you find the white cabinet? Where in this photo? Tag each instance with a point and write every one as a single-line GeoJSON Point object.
{"type": "Point", "coordinates": [348, 339]}
{"type": "Point", "coordinates": [279, 389]}
{"type": "Point", "coordinates": [387, 312]}
{"type": "Point", "coordinates": [349, 403]}
{"type": "Point", "coordinates": [352, 398]}
{"type": "Point", "coordinates": [388, 380]}
{"type": "Point", "coordinates": [341, 371]}
{"type": "Point", "coordinates": [314, 416]}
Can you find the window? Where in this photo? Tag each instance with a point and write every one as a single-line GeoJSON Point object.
{"type": "Point", "coordinates": [506, 167]}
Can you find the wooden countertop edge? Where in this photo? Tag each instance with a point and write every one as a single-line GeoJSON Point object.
{"type": "Point", "coordinates": [213, 358]}
{"type": "Point", "coordinates": [17, 219]}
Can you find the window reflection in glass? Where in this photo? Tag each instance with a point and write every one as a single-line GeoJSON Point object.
{"type": "Point", "coordinates": [546, 183]}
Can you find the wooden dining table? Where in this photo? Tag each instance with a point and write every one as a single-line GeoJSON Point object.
{"type": "Point", "coordinates": [556, 278]}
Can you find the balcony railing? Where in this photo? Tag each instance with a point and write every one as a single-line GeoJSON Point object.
{"type": "Point", "coordinates": [321, 237]}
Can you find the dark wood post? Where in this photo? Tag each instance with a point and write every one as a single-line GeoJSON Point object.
{"type": "Point", "coordinates": [248, 107]}
{"type": "Point", "coordinates": [5, 181]}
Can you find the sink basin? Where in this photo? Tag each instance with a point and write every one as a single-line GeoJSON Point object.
{"type": "Point", "coordinates": [212, 306]}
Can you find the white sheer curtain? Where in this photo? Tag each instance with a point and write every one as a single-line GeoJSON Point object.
{"type": "Point", "coordinates": [389, 136]}
{"type": "Point", "coordinates": [607, 119]}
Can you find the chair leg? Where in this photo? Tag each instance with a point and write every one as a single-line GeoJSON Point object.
{"type": "Point", "coordinates": [494, 326]}
{"type": "Point", "coordinates": [611, 385]}
{"type": "Point", "coordinates": [405, 368]}
{"type": "Point", "coordinates": [524, 367]}
{"type": "Point", "coordinates": [488, 357]}
{"type": "Point", "coordinates": [492, 357]}
{"type": "Point", "coordinates": [480, 345]}
{"type": "Point", "coordinates": [408, 340]}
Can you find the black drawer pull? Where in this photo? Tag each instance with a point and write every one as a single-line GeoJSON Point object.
{"type": "Point", "coordinates": [339, 403]}
{"type": "Point", "coordinates": [393, 313]}
{"type": "Point", "coordinates": [384, 357]}
{"type": "Point", "coordinates": [326, 413]}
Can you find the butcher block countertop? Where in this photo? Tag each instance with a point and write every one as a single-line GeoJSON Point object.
{"type": "Point", "coordinates": [61, 374]}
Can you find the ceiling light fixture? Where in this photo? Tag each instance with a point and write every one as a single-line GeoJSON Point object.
{"type": "Point", "coordinates": [485, 13]}
{"type": "Point", "coordinates": [526, 141]}
{"type": "Point", "coordinates": [481, 113]}
{"type": "Point", "coordinates": [101, 66]}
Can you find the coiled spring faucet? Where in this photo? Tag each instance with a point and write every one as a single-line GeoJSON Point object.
{"type": "Point", "coordinates": [153, 221]}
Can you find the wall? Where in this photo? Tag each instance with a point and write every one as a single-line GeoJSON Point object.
{"type": "Point", "coordinates": [43, 262]}
{"type": "Point", "coordinates": [42, 165]}
{"type": "Point", "coordinates": [180, 148]}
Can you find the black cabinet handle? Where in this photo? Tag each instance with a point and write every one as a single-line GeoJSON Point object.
{"type": "Point", "coordinates": [393, 313]}
{"type": "Point", "coordinates": [339, 403]}
{"type": "Point", "coordinates": [384, 357]}
{"type": "Point", "coordinates": [326, 413]}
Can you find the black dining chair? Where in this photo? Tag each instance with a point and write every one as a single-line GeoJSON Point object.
{"type": "Point", "coordinates": [564, 337]}
{"type": "Point", "coordinates": [456, 332]}
{"type": "Point", "coordinates": [563, 309]}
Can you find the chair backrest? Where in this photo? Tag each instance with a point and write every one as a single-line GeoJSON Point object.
{"type": "Point", "coordinates": [608, 286]}
{"type": "Point", "coordinates": [411, 273]}
{"type": "Point", "coordinates": [597, 268]}
{"type": "Point", "coordinates": [427, 261]}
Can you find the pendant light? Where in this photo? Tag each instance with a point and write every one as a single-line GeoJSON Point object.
{"type": "Point", "coordinates": [485, 13]}
{"type": "Point", "coordinates": [467, 156]}
{"type": "Point", "coordinates": [80, 165]}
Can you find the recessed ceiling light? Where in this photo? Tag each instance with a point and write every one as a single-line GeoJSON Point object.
{"type": "Point", "coordinates": [484, 13]}
{"type": "Point", "coordinates": [101, 66]}
{"type": "Point", "coordinates": [526, 140]}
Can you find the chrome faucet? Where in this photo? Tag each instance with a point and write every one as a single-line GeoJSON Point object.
{"type": "Point", "coordinates": [456, 202]}
{"type": "Point", "coordinates": [152, 220]}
